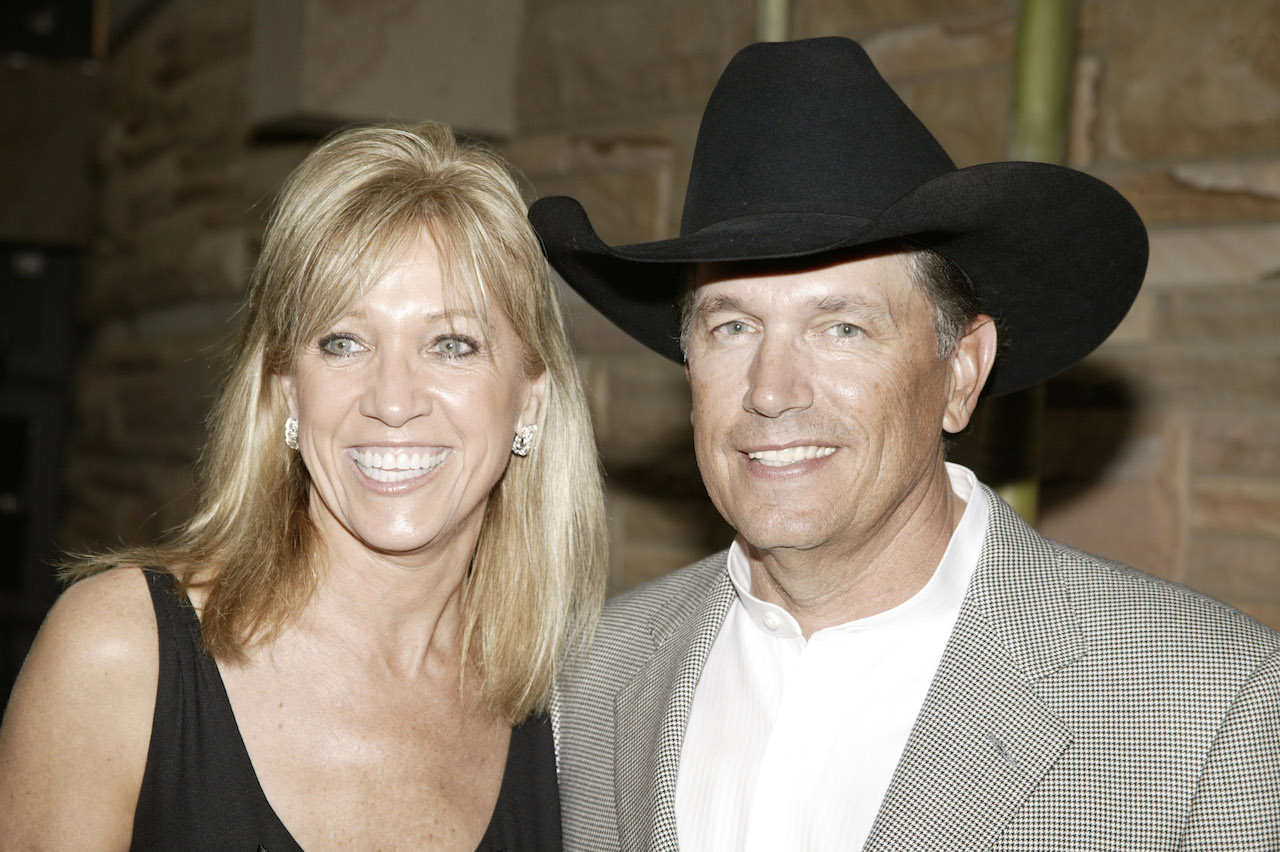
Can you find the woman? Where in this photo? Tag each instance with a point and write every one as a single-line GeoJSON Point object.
{"type": "Point", "coordinates": [399, 531]}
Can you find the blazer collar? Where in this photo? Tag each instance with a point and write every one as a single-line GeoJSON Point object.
{"type": "Point", "coordinates": [984, 739]}
{"type": "Point", "coordinates": [651, 713]}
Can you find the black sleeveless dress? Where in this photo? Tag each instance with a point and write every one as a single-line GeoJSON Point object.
{"type": "Point", "coordinates": [200, 792]}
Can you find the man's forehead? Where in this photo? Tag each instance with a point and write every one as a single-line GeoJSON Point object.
{"type": "Point", "coordinates": [850, 278]}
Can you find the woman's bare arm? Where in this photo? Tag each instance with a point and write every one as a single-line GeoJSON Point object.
{"type": "Point", "coordinates": [73, 745]}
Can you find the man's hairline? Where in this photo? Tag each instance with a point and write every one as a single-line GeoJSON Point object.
{"type": "Point", "coordinates": [911, 255]}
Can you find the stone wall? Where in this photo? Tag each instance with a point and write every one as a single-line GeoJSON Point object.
{"type": "Point", "coordinates": [1162, 450]}
{"type": "Point", "coordinates": [183, 189]}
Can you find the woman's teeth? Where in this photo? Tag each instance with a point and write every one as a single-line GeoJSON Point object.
{"type": "Point", "coordinates": [396, 465]}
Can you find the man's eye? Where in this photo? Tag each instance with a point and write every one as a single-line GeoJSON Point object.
{"type": "Point", "coordinates": [734, 327]}
{"type": "Point", "coordinates": [453, 346]}
{"type": "Point", "coordinates": [340, 344]}
{"type": "Point", "coordinates": [844, 329]}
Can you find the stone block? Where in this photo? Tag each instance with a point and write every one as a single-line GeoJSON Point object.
{"type": "Point", "coordinates": [1220, 97]}
{"type": "Point", "coordinates": [1198, 256]}
{"type": "Point", "coordinates": [1236, 444]}
{"type": "Point", "coordinates": [190, 36]}
{"type": "Point", "coordinates": [967, 112]}
{"type": "Point", "coordinates": [325, 62]}
{"type": "Point", "coordinates": [625, 187]}
{"type": "Point", "coordinates": [1082, 135]}
{"type": "Point", "coordinates": [583, 63]}
{"type": "Point", "coordinates": [655, 534]}
{"type": "Point", "coordinates": [115, 501]}
{"type": "Point", "coordinates": [208, 112]}
{"type": "Point", "coordinates": [1181, 376]}
{"type": "Point", "coordinates": [220, 263]}
{"type": "Point", "coordinates": [1235, 567]}
{"type": "Point", "coordinates": [661, 148]}
{"type": "Point", "coordinates": [1176, 196]}
{"type": "Point", "coordinates": [1236, 504]}
{"type": "Point", "coordinates": [1131, 522]}
{"type": "Point", "coordinates": [1230, 314]}
{"type": "Point", "coordinates": [1112, 485]}
{"type": "Point", "coordinates": [857, 20]}
{"type": "Point", "coordinates": [643, 426]}
{"type": "Point", "coordinates": [48, 114]}
{"type": "Point", "coordinates": [936, 48]}
{"type": "Point", "coordinates": [130, 196]}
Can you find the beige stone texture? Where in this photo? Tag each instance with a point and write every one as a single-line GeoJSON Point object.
{"type": "Point", "coordinates": [660, 533]}
{"type": "Point", "coordinates": [1187, 78]}
{"type": "Point", "coordinates": [1112, 485]}
{"type": "Point", "coordinates": [1236, 504]}
{"type": "Point", "coordinates": [1163, 197]}
{"type": "Point", "coordinates": [968, 112]}
{"type": "Point", "coordinates": [394, 60]}
{"type": "Point", "coordinates": [1197, 256]}
{"type": "Point", "coordinates": [1234, 314]}
{"type": "Point", "coordinates": [1201, 377]}
{"type": "Point", "coordinates": [936, 48]}
{"type": "Point", "coordinates": [857, 20]}
{"type": "Point", "coordinates": [584, 62]}
{"type": "Point", "coordinates": [644, 405]}
{"type": "Point", "coordinates": [1082, 143]}
{"type": "Point", "coordinates": [624, 184]}
{"type": "Point", "coordinates": [1234, 567]}
{"type": "Point", "coordinates": [1236, 444]}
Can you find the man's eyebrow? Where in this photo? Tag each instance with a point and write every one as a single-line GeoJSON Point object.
{"type": "Point", "coordinates": [830, 304]}
{"type": "Point", "coordinates": [836, 304]}
{"type": "Point", "coordinates": [719, 303]}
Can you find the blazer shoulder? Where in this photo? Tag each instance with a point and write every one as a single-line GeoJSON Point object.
{"type": "Point", "coordinates": [1119, 596]}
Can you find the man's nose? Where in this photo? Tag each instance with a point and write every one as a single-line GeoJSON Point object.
{"type": "Point", "coordinates": [780, 379]}
{"type": "Point", "coordinates": [396, 390]}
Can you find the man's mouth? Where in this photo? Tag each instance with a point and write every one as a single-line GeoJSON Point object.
{"type": "Point", "coordinates": [789, 455]}
{"type": "Point", "coordinates": [392, 465]}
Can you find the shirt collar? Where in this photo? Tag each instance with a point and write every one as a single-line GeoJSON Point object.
{"type": "Point", "coordinates": [943, 593]}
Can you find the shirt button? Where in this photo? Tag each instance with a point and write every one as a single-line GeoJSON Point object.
{"type": "Point", "coordinates": [770, 621]}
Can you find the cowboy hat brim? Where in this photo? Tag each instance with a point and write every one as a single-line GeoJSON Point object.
{"type": "Point", "coordinates": [1055, 255]}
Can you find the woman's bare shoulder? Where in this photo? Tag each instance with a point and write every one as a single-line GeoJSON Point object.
{"type": "Point", "coordinates": [73, 744]}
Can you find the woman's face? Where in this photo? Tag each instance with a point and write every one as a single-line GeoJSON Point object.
{"type": "Point", "coordinates": [406, 410]}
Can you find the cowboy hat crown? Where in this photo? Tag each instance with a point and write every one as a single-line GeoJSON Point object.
{"type": "Point", "coordinates": [805, 149]}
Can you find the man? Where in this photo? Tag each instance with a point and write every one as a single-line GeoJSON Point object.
{"type": "Point", "coordinates": [887, 657]}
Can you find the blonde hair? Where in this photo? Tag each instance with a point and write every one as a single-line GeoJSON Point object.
{"type": "Point", "coordinates": [344, 215]}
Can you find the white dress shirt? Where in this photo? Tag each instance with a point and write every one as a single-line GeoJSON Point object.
{"type": "Point", "coordinates": [791, 744]}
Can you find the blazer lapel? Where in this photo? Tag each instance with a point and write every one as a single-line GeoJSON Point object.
{"type": "Point", "coordinates": [650, 716]}
{"type": "Point", "coordinates": [983, 739]}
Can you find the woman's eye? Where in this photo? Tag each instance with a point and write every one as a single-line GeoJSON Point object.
{"type": "Point", "coordinates": [340, 344]}
{"type": "Point", "coordinates": [454, 347]}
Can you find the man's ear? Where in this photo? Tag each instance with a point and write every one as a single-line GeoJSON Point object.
{"type": "Point", "coordinates": [970, 365]}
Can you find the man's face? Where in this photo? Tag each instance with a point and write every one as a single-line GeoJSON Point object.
{"type": "Point", "coordinates": [819, 399]}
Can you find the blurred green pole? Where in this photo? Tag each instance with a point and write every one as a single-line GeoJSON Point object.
{"type": "Point", "coordinates": [773, 18]}
{"type": "Point", "coordinates": [1013, 425]}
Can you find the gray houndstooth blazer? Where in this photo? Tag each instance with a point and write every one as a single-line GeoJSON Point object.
{"type": "Point", "coordinates": [1079, 705]}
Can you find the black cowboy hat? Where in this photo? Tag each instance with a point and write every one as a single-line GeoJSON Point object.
{"type": "Point", "coordinates": [805, 149]}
